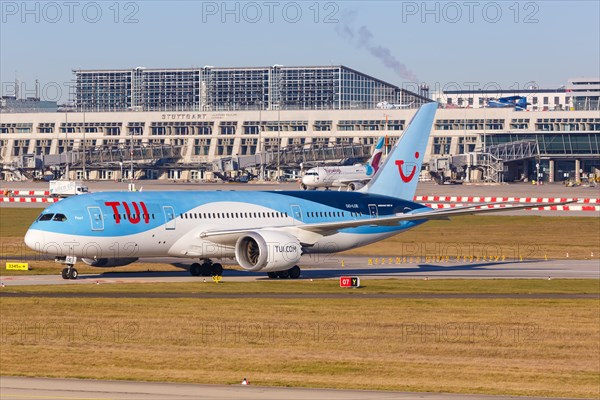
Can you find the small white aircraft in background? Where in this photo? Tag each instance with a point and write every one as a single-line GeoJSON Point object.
{"type": "Point", "coordinates": [384, 105]}
{"type": "Point", "coordinates": [353, 177]}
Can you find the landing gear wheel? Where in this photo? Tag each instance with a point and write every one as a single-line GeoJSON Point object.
{"type": "Point", "coordinates": [352, 187]}
{"type": "Point", "coordinates": [283, 274]}
{"type": "Point", "coordinates": [205, 269]}
{"type": "Point", "coordinates": [294, 272]}
{"type": "Point", "coordinates": [303, 186]}
{"type": "Point", "coordinates": [272, 275]}
{"type": "Point", "coordinates": [216, 269]}
{"type": "Point", "coordinates": [195, 269]}
{"type": "Point", "coordinates": [65, 273]}
{"type": "Point", "coordinates": [73, 274]}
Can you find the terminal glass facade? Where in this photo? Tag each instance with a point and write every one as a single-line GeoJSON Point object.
{"type": "Point", "coordinates": [235, 89]}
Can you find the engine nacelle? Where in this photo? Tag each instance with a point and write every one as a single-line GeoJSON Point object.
{"type": "Point", "coordinates": [267, 251]}
{"type": "Point", "coordinates": [108, 262]}
{"type": "Point", "coordinates": [352, 186]}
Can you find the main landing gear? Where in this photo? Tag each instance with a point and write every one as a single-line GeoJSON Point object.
{"type": "Point", "coordinates": [207, 268]}
{"type": "Point", "coordinates": [292, 273]}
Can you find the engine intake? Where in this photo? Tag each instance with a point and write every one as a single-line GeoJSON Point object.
{"type": "Point", "coordinates": [267, 251]}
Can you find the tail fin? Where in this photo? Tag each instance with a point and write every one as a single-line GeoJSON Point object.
{"type": "Point", "coordinates": [399, 174]}
{"type": "Point", "coordinates": [373, 163]}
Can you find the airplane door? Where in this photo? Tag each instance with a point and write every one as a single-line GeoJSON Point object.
{"type": "Point", "coordinates": [169, 217]}
{"type": "Point", "coordinates": [297, 214]}
{"type": "Point", "coordinates": [96, 218]}
{"type": "Point", "coordinates": [373, 211]}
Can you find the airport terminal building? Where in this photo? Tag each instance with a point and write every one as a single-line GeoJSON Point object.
{"type": "Point", "coordinates": [193, 124]}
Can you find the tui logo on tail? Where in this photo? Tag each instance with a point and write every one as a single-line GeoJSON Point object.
{"type": "Point", "coordinates": [400, 164]}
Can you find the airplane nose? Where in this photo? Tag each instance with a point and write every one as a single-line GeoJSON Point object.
{"type": "Point", "coordinates": [34, 239]}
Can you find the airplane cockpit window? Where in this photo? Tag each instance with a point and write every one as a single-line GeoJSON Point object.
{"type": "Point", "coordinates": [312, 174]}
{"type": "Point", "coordinates": [59, 217]}
{"type": "Point", "coordinates": [46, 217]}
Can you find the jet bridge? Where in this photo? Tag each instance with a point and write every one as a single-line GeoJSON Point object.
{"type": "Point", "coordinates": [294, 157]}
{"type": "Point", "coordinates": [493, 162]}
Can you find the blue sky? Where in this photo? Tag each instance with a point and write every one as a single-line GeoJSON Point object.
{"type": "Point", "coordinates": [465, 43]}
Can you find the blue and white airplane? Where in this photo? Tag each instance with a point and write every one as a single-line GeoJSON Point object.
{"type": "Point", "coordinates": [264, 231]}
{"type": "Point", "coordinates": [519, 103]}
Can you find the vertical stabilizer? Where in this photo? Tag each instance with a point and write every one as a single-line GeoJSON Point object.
{"type": "Point", "coordinates": [399, 174]}
{"type": "Point", "coordinates": [375, 160]}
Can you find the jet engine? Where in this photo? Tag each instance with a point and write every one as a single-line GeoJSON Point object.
{"type": "Point", "coordinates": [108, 262]}
{"type": "Point", "coordinates": [267, 251]}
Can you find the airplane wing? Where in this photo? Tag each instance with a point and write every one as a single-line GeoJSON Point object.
{"type": "Point", "coordinates": [427, 213]}
{"type": "Point", "coordinates": [329, 228]}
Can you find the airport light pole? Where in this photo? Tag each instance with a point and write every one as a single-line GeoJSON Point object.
{"type": "Point", "coordinates": [131, 158]}
{"type": "Point", "coordinates": [260, 146]}
{"type": "Point", "coordinates": [279, 142]}
{"type": "Point", "coordinates": [66, 150]}
{"type": "Point", "coordinates": [84, 148]}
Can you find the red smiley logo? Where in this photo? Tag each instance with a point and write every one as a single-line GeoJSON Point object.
{"type": "Point", "coordinates": [408, 178]}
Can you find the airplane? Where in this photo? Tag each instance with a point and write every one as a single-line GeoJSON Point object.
{"type": "Point", "coordinates": [264, 231]}
{"type": "Point", "coordinates": [518, 102]}
{"type": "Point", "coordinates": [384, 105]}
{"type": "Point", "coordinates": [351, 176]}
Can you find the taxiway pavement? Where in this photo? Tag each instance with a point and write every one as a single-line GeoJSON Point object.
{"type": "Point", "coordinates": [23, 388]}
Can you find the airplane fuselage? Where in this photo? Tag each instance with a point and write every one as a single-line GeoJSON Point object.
{"type": "Point", "coordinates": [155, 224]}
{"type": "Point", "coordinates": [339, 176]}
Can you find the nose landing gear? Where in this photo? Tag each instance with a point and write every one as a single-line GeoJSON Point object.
{"type": "Point", "coordinates": [69, 272]}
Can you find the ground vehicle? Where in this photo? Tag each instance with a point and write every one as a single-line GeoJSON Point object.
{"type": "Point", "coordinates": [67, 188]}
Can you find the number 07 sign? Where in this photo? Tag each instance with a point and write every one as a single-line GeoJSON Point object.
{"type": "Point", "coordinates": [350, 281]}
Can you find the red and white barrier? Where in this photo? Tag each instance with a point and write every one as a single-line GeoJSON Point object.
{"type": "Point", "coordinates": [479, 199]}
{"type": "Point", "coordinates": [28, 199]}
{"type": "Point", "coordinates": [30, 193]}
{"type": "Point", "coordinates": [545, 208]}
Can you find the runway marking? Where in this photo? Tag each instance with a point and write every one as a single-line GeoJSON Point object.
{"type": "Point", "coordinates": [346, 295]}
{"type": "Point", "coordinates": [24, 396]}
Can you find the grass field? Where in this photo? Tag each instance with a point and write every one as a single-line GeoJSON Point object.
{"type": "Point", "coordinates": [518, 346]}
{"type": "Point", "coordinates": [542, 347]}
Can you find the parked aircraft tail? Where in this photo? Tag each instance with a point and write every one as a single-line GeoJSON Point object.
{"type": "Point", "coordinates": [375, 160]}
